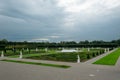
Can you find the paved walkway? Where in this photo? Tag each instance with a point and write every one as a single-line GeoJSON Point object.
{"type": "Point", "coordinates": [78, 71]}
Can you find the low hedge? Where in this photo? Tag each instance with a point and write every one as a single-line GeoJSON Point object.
{"type": "Point", "coordinates": [68, 57]}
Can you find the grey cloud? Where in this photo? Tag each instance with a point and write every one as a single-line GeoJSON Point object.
{"type": "Point", "coordinates": [36, 24]}
{"type": "Point", "coordinates": [44, 19]}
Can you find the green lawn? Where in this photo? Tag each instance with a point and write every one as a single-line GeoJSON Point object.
{"type": "Point", "coordinates": [110, 59]}
{"type": "Point", "coordinates": [25, 55]}
{"type": "Point", "coordinates": [35, 63]}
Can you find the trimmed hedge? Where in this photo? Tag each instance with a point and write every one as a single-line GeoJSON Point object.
{"type": "Point", "coordinates": [68, 57]}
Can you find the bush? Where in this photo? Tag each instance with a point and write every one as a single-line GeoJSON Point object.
{"type": "Point", "coordinates": [83, 56]}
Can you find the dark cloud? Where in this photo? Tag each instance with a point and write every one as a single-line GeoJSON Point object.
{"type": "Point", "coordinates": [59, 20]}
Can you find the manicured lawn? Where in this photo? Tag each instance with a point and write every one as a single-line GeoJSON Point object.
{"type": "Point", "coordinates": [29, 55]}
{"type": "Point", "coordinates": [35, 63]}
{"type": "Point", "coordinates": [110, 59]}
{"type": "Point", "coordinates": [25, 55]}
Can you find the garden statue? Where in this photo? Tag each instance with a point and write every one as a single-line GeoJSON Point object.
{"type": "Point", "coordinates": [2, 54]}
{"type": "Point", "coordinates": [78, 59]}
{"type": "Point", "coordinates": [20, 55]}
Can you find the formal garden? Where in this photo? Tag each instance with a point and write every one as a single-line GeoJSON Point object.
{"type": "Point", "coordinates": [55, 54]}
{"type": "Point", "coordinates": [61, 52]}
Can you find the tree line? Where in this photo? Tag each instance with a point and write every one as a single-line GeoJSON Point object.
{"type": "Point", "coordinates": [96, 43]}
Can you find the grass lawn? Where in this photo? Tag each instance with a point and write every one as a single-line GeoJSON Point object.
{"type": "Point", "coordinates": [35, 63]}
{"type": "Point", "coordinates": [30, 55]}
{"type": "Point", "coordinates": [25, 55]}
{"type": "Point", "coordinates": [110, 59]}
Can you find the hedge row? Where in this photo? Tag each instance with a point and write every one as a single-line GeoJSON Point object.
{"type": "Point", "coordinates": [69, 57]}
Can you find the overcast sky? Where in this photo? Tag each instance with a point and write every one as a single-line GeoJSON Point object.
{"type": "Point", "coordinates": [59, 20]}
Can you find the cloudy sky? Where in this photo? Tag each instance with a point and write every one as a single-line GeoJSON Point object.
{"type": "Point", "coordinates": [59, 20]}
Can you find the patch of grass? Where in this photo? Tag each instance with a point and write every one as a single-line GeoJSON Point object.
{"type": "Point", "coordinates": [30, 55]}
{"type": "Point", "coordinates": [35, 63]}
{"type": "Point", "coordinates": [25, 55]}
{"type": "Point", "coordinates": [110, 59]}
